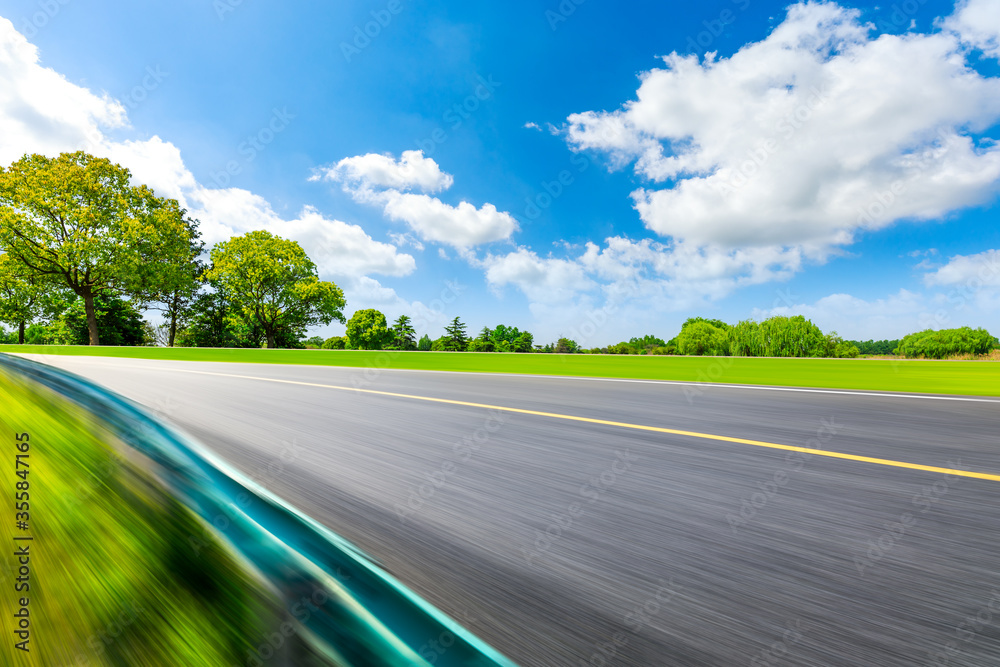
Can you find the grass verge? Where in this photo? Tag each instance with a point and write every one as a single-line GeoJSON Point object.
{"type": "Point", "coordinates": [917, 376]}
{"type": "Point", "coordinates": [111, 579]}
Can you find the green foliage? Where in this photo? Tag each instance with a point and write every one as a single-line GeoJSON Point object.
{"type": "Point", "coordinates": [511, 339]}
{"type": "Point", "coordinates": [175, 296]}
{"type": "Point", "coordinates": [118, 319]}
{"type": "Point", "coordinates": [404, 335]}
{"type": "Point", "coordinates": [21, 295]}
{"type": "Point", "coordinates": [880, 347]}
{"type": "Point", "coordinates": [425, 343]}
{"type": "Point", "coordinates": [700, 337]}
{"type": "Point", "coordinates": [647, 343]}
{"type": "Point", "coordinates": [439, 344]}
{"type": "Point", "coordinates": [271, 283]}
{"type": "Point", "coordinates": [524, 342]}
{"type": "Point", "coordinates": [780, 336]}
{"type": "Point", "coordinates": [718, 324]}
{"type": "Point", "coordinates": [211, 324]}
{"type": "Point", "coordinates": [334, 343]}
{"type": "Point", "coordinates": [566, 346]}
{"type": "Point", "coordinates": [314, 342]}
{"type": "Point", "coordinates": [367, 330]}
{"type": "Point", "coordinates": [932, 344]}
{"type": "Point", "coordinates": [846, 350]}
{"type": "Point", "coordinates": [483, 342]}
{"type": "Point", "coordinates": [78, 221]}
{"type": "Point", "coordinates": [456, 340]}
{"type": "Point", "coordinates": [480, 345]}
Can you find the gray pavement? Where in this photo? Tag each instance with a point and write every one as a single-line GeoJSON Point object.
{"type": "Point", "coordinates": [568, 543]}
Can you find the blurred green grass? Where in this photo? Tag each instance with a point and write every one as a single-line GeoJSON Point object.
{"type": "Point", "coordinates": [114, 580]}
{"type": "Point", "coordinates": [976, 378]}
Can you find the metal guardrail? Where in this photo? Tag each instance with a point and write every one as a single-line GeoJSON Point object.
{"type": "Point", "coordinates": [358, 614]}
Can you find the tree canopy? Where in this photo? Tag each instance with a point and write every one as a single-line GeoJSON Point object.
{"type": "Point", "coordinates": [404, 335]}
{"type": "Point", "coordinates": [76, 219]}
{"type": "Point", "coordinates": [271, 283]}
{"type": "Point", "coordinates": [368, 330]}
{"type": "Point", "coordinates": [455, 338]}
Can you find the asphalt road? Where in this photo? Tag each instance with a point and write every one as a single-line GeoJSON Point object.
{"type": "Point", "coordinates": [564, 542]}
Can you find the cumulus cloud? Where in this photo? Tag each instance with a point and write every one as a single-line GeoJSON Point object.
{"type": "Point", "coordinates": [372, 170]}
{"type": "Point", "coordinates": [381, 180]}
{"type": "Point", "coordinates": [977, 23]}
{"type": "Point", "coordinates": [41, 112]}
{"type": "Point", "coordinates": [805, 137]}
{"type": "Point", "coordinates": [664, 276]}
{"type": "Point", "coordinates": [979, 270]}
{"type": "Point", "coordinates": [543, 280]}
{"type": "Point", "coordinates": [858, 319]}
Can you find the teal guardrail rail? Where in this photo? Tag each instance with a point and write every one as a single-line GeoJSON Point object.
{"type": "Point", "coordinates": [358, 614]}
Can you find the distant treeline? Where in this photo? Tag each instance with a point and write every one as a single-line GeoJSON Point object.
{"type": "Point", "coordinates": [875, 347]}
{"type": "Point", "coordinates": [210, 324]}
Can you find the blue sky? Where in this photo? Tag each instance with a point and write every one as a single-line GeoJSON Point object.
{"type": "Point", "coordinates": [726, 159]}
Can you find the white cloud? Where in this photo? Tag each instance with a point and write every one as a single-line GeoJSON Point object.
{"type": "Point", "coordinates": [663, 277]}
{"type": "Point", "coordinates": [532, 126]}
{"type": "Point", "coordinates": [543, 280]}
{"type": "Point", "coordinates": [42, 112]}
{"type": "Point", "coordinates": [805, 137]}
{"type": "Point", "coordinates": [977, 22]}
{"type": "Point", "coordinates": [372, 170]}
{"type": "Point", "coordinates": [380, 180]}
{"type": "Point", "coordinates": [459, 226]}
{"type": "Point", "coordinates": [979, 270]}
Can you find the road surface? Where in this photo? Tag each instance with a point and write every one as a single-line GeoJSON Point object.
{"type": "Point", "coordinates": [562, 539]}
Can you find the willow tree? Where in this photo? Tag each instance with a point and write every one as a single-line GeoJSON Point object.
{"type": "Point", "coordinates": [272, 283]}
{"type": "Point", "coordinates": [78, 221]}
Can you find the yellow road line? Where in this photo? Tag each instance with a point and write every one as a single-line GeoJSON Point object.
{"type": "Point", "coordinates": [605, 422]}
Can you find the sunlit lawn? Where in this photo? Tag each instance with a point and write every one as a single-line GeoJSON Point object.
{"type": "Point", "coordinates": [922, 376]}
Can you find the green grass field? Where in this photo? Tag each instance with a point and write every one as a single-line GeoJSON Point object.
{"type": "Point", "coordinates": [920, 376]}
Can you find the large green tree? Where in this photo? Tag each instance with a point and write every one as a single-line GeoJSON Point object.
{"type": "Point", "coordinates": [367, 330]}
{"type": "Point", "coordinates": [700, 336]}
{"type": "Point", "coordinates": [21, 295]}
{"type": "Point", "coordinates": [272, 283]}
{"type": "Point", "coordinates": [77, 219]}
{"type": "Point", "coordinates": [173, 292]}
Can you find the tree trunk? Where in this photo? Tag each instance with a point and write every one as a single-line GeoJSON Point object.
{"type": "Point", "coordinates": [270, 339]}
{"type": "Point", "coordinates": [20, 333]}
{"type": "Point", "coordinates": [88, 303]}
{"type": "Point", "coordinates": [173, 320]}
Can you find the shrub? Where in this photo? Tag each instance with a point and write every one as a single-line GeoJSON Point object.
{"type": "Point", "coordinates": [932, 344]}
{"type": "Point", "coordinates": [846, 350]}
{"type": "Point", "coordinates": [334, 343]}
